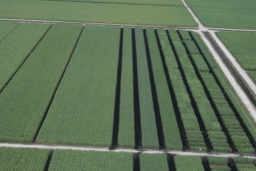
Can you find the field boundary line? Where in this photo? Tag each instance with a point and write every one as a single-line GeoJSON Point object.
{"type": "Point", "coordinates": [125, 150]}
{"type": "Point", "coordinates": [203, 28]}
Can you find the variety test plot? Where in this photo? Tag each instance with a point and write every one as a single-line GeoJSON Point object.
{"type": "Point", "coordinates": [141, 88]}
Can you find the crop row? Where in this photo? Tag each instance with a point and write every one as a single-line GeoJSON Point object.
{"type": "Point", "coordinates": [103, 86]}
{"type": "Point", "coordinates": [61, 160]}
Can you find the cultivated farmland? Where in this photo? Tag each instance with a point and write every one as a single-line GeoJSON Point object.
{"type": "Point", "coordinates": [225, 14]}
{"type": "Point", "coordinates": [140, 85]}
{"type": "Point", "coordinates": [96, 12]}
{"type": "Point", "coordinates": [156, 88]}
{"type": "Point", "coordinates": [62, 160]}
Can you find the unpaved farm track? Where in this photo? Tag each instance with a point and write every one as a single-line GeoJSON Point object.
{"type": "Point", "coordinates": [126, 150]}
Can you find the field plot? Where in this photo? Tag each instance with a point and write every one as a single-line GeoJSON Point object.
{"type": "Point", "coordinates": [24, 101]}
{"type": "Point", "coordinates": [83, 107]}
{"type": "Point", "coordinates": [23, 159]}
{"type": "Point", "coordinates": [61, 160]}
{"type": "Point", "coordinates": [241, 45]}
{"type": "Point", "coordinates": [126, 131]}
{"type": "Point", "coordinates": [224, 14]}
{"type": "Point", "coordinates": [137, 2]}
{"type": "Point", "coordinates": [96, 12]}
{"type": "Point", "coordinates": [93, 161]}
{"type": "Point", "coordinates": [153, 162]}
{"type": "Point", "coordinates": [121, 87]}
{"type": "Point", "coordinates": [245, 4]}
{"type": "Point", "coordinates": [16, 42]}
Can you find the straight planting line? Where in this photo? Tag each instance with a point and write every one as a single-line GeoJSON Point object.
{"type": "Point", "coordinates": [129, 25]}
{"type": "Point", "coordinates": [231, 79]}
{"type": "Point", "coordinates": [106, 149]}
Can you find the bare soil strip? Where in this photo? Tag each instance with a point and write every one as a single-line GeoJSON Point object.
{"type": "Point", "coordinates": [125, 150]}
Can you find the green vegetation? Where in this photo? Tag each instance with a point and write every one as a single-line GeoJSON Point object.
{"type": "Point", "coordinates": [97, 12]}
{"type": "Point", "coordinates": [218, 163]}
{"type": "Point", "coordinates": [211, 123]}
{"type": "Point", "coordinates": [234, 128]}
{"type": "Point", "coordinates": [82, 111]}
{"type": "Point", "coordinates": [200, 63]}
{"type": "Point", "coordinates": [147, 114]}
{"type": "Point", "coordinates": [153, 162]}
{"type": "Point", "coordinates": [6, 29]}
{"type": "Point", "coordinates": [252, 74]}
{"type": "Point", "coordinates": [126, 115]}
{"type": "Point", "coordinates": [168, 118]}
{"type": "Point", "coordinates": [244, 164]}
{"type": "Point", "coordinates": [24, 101]}
{"type": "Point", "coordinates": [191, 126]}
{"type": "Point", "coordinates": [237, 4]}
{"type": "Point", "coordinates": [139, 2]}
{"type": "Point", "coordinates": [225, 14]}
{"type": "Point", "coordinates": [67, 160]}
{"type": "Point", "coordinates": [182, 163]}
{"type": "Point", "coordinates": [20, 159]}
{"type": "Point", "coordinates": [16, 46]}
{"type": "Point", "coordinates": [230, 18]}
{"type": "Point", "coordinates": [241, 45]}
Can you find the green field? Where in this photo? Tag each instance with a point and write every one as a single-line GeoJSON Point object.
{"type": "Point", "coordinates": [23, 159]}
{"type": "Point", "coordinates": [224, 14]}
{"type": "Point", "coordinates": [93, 161]}
{"type": "Point", "coordinates": [20, 159]}
{"type": "Point", "coordinates": [17, 41]}
{"type": "Point", "coordinates": [124, 85]}
{"type": "Point", "coordinates": [96, 12]}
{"type": "Point", "coordinates": [226, 18]}
{"type": "Point", "coordinates": [241, 46]}
{"type": "Point", "coordinates": [245, 4]}
{"type": "Point", "coordinates": [83, 106]}
{"type": "Point", "coordinates": [24, 101]}
{"type": "Point", "coordinates": [171, 93]}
